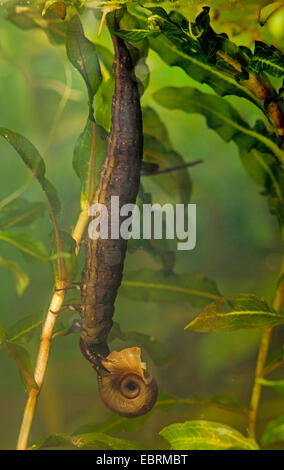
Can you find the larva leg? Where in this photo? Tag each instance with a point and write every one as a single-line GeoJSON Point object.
{"type": "Point", "coordinates": [74, 307]}
{"type": "Point", "coordinates": [92, 356]}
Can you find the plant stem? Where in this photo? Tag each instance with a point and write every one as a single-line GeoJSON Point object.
{"type": "Point", "coordinates": [41, 364]}
{"type": "Point", "coordinates": [80, 227]}
{"type": "Point", "coordinates": [261, 360]}
{"type": "Point", "coordinates": [44, 348]}
{"type": "Point", "coordinates": [55, 306]}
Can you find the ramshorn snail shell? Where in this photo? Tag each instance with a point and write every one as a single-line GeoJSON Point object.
{"type": "Point", "coordinates": [127, 388]}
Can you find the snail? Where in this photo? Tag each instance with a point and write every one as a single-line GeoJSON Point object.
{"type": "Point", "coordinates": [125, 386]}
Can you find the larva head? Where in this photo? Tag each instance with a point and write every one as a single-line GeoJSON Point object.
{"type": "Point", "coordinates": [127, 388]}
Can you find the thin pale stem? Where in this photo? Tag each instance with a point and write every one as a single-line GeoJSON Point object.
{"type": "Point", "coordinates": [261, 360]}
{"type": "Point", "coordinates": [80, 227]}
{"type": "Point", "coordinates": [55, 306]}
{"type": "Point", "coordinates": [40, 368]}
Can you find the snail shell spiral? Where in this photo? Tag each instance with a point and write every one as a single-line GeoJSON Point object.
{"type": "Point", "coordinates": [127, 388]}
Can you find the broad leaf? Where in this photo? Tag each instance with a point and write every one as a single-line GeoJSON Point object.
{"type": "Point", "coordinates": [154, 286]}
{"type": "Point", "coordinates": [21, 278]}
{"type": "Point", "coordinates": [82, 54]}
{"type": "Point", "coordinates": [178, 48]}
{"type": "Point", "coordinates": [267, 59]}
{"type": "Point", "coordinates": [28, 244]}
{"type": "Point", "coordinates": [247, 311]}
{"type": "Point", "coordinates": [205, 435]}
{"type": "Point", "coordinates": [158, 352]}
{"type": "Point", "coordinates": [20, 212]}
{"type": "Point", "coordinates": [274, 432]}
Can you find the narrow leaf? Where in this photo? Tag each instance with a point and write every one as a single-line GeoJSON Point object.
{"type": "Point", "coordinates": [27, 244]}
{"type": "Point", "coordinates": [154, 286]}
{"type": "Point", "coordinates": [274, 432]}
{"type": "Point", "coordinates": [89, 154]}
{"type": "Point", "coordinates": [82, 54]}
{"type": "Point", "coordinates": [247, 311]}
{"type": "Point", "coordinates": [220, 116]}
{"type": "Point", "coordinates": [158, 352]}
{"type": "Point", "coordinates": [277, 385]}
{"type": "Point", "coordinates": [24, 363]}
{"type": "Point", "coordinates": [31, 157]}
{"type": "Point", "coordinates": [21, 278]}
{"type": "Point", "coordinates": [63, 270]}
{"type": "Point", "coordinates": [24, 328]}
{"type": "Point", "coordinates": [94, 440]}
{"type": "Point", "coordinates": [2, 334]}
{"type": "Point", "coordinates": [20, 212]}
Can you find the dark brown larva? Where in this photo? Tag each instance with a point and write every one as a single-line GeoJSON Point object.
{"type": "Point", "coordinates": [102, 275]}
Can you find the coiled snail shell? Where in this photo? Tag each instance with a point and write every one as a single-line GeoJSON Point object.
{"type": "Point", "coordinates": [127, 388]}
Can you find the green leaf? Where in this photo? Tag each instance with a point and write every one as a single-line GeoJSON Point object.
{"type": "Point", "coordinates": [20, 212]}
{"type": "Point", "coordinates": [158, 352]}
{"type": "Point", "coordinates": [24, 363]}
{"type": "Point", "coordinates": [277, 385]}
{"type": "Point", "coordinates": [135, 35]}
{"type": "Point", "coordinates": [103, 104]}
{"type": "Point", "coordinates": [114, 422]}
{"type": "Point", "coordinates": [31, 157]}
{"type": "Point", "coordinates": [105, 57]}
{"type": "Point", "coordinates": [220, 116]}
{"type": "Point", "coordinates": [247, 311]}
{"type": "Point", "coordinates": [95, 440]}
{"type": "Point", "coordinates": [27, 244]}
{"type": "Point", "coordinates": [276, 357]}
{"type": "Point", "coordinates": [154, 286]}
{"type": "Point", "coordinates": [55, 440]}
{"type": "Point", "coordinates": [205, 435]}
{"type": "Point", "coordinates": [82, 54]}
{"type": "Point", "coordinates": [27, 152]}
{"type": "Point", "coordinates": [176, 182]}
{"type": "Point", "coordinates": [2, 334]}
{"type": "Point", "coordinates": [267, 59]}
{"type": "Point", "coordinates": [89, 154]}
{"type": "Point", "coordinates": [160, 249]}
{"type": "Point", "coordinates": [178, 48]}
{"type": "Point", "coordinates": [21, 278]}
{"type": "Point", "coordinates": [274, 432]}
{"type": "Point", "coordinates": [63, 269]}
{"type": "Point", "coordinates": [268, 10]}
{"type": "Point", "coordinates": [154, 127]}
{"type": "Point", "coordinates": [100, 440]}
{"type": "Point", "coordinates": [24, 328]}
